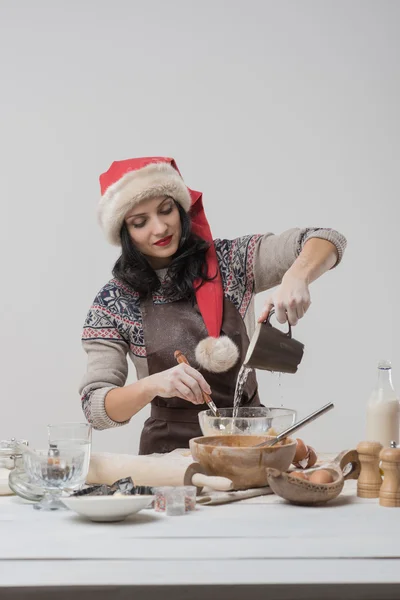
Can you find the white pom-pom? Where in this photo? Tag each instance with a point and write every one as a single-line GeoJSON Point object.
{"type": "Point", "coordinates": [217, 354]}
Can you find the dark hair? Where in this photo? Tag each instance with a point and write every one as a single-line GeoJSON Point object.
{"type": "Point", "coordinates": [187, 265]}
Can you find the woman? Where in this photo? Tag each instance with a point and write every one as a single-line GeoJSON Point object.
{"type": "Point", "coordinates": [175, 288]}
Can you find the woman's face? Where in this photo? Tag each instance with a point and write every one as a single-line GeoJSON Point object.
{"type": "Point", "coordinates": [155, 229]}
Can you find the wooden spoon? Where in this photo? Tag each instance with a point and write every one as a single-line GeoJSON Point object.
{"type": "Point", "coordinates": [300, 491]}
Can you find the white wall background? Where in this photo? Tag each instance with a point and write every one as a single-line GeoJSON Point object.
{"type": "Point", "coordinates": [284, 114]}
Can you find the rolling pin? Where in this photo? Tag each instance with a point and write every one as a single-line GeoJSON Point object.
{"type": "Point", "coordinates": [153, 471]}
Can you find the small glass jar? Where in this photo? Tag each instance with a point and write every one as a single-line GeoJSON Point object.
{"type": "Point", "coordinates": [19, 483]}
{"type": "Point", "coordinates": [175, 500]}
{"type": "Point", "coordinates": [9, 455]}
{"type": "Point", "coordinates": [190, 497]}
{"type": "Point", "coordinates": [160, 498]}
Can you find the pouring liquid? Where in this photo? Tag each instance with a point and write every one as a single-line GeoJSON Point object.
{"type": "Point", "coordinates": [240, 383]}
{"type": "Point", "coordinates": [280, 388]}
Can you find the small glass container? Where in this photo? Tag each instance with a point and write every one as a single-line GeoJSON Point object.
{"type": "Point", "coordinates": [175, 501]}
{"type": "Point", "coordinates": [168, 495]}
{"type": "Point", "coordinates": [160, 500]}
{"type": "Point", "coordinates": [190, 492]}
{"type": "Point", "coordinates": [9, 452]}
{"type": "Point", "coordinates": [10, 462]}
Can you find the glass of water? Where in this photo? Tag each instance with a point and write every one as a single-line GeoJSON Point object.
{"type": "Point", "coordinates": [70, 433]}
{"type": "Point", "coordinates": [71, 436]}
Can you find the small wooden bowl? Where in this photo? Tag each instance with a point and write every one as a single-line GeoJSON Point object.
{"type": "Point", "coordinates": [303, 492]}
{"type": "Point", "coordinates": [237, 458]}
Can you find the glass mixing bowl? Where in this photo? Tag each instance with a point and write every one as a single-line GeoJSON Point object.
{"type": "Point", "coordinates": [251, 420]}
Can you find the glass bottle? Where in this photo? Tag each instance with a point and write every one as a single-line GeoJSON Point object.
{"type": "Point", "coordinates": [383, 408]}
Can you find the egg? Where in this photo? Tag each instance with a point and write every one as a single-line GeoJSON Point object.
{"type": "Point", "coordinates": [299, 474]}
{"type": "Point", "coordinates": [320, 476]}
{"type": "Point", "coordinates": [301, 451]}
{"type": "Point", "coordinates": [312, 457]}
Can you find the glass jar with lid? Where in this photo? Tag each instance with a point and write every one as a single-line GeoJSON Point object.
{"type": "Point", "coordinates": [13, 478]}
{"type": "Point", "coordinates": [9, 453]}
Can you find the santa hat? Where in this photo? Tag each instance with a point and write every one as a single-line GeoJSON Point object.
{"type": "Point", "coordinates": [128, 182]}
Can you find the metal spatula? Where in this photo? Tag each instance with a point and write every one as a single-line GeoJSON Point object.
{"type": "Point", "coordinates": [297, 425]}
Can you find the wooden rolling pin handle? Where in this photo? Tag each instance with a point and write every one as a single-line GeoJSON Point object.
{"type": "Point", "coordinates": [221, 484]}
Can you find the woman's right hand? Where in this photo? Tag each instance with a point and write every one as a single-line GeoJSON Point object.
{"type": "Point", "coordinates": [182, 381]}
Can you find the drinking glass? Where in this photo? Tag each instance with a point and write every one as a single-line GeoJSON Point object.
{"type": "Point", "coordinates": [71, 436]}
{"type": "Point", "coordinates": [69, 433]}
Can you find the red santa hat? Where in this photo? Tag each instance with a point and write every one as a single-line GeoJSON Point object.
{"type": "Point", "coordinates": [128, 182]}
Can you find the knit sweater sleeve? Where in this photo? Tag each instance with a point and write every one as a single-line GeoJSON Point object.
{"type": "Point", "coordinates": [236, 262]}
{"type": "Point", "coordinates": [107, 367]}
{"type": "Point", "coordinates": [275, 254]}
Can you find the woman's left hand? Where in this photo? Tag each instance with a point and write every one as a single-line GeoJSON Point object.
{"type": "Point", "coordinates": [290, 300]}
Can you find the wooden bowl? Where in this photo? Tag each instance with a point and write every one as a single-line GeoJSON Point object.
{"type": "Point", "coordinates": [236, 458]}
{"type": "Point", "coordinates": [303, 492]}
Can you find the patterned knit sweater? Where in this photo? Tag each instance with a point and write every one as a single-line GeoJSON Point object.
{"type": "Point", "coordinates": [113, 327]}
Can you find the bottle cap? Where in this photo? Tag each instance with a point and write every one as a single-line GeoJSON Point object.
{"type": "Point", "coordinates": [384, 364]}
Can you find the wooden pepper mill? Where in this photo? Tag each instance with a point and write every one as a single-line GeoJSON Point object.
{"type": "Point", "coordinates": [370, 480]}
{"type": "Point", "coordinates": [389, 494]}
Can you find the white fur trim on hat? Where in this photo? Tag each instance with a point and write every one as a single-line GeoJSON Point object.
{"type": "Point", "coordinates": [217, 354]}
{"type": "Point", "coordinates": [155, 179]}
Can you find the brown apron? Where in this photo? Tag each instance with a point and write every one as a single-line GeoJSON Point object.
{"type": "Point", "coordinates": [179, 326]}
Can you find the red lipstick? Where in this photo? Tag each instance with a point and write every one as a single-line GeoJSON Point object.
{"type": "Point", "coordinates": [164, 242]}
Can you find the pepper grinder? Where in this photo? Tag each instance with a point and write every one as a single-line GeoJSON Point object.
{"type": "Point", "coordinates": [389, 494]}
{"type": "Point", "coordinates": [370, 480]}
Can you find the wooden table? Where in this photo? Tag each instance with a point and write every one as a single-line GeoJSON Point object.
{"type": "Point", "coordinates": [257, 548]}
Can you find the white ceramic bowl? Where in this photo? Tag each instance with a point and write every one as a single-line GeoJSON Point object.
{"type": "Point", "coordinates": [107, 508]}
